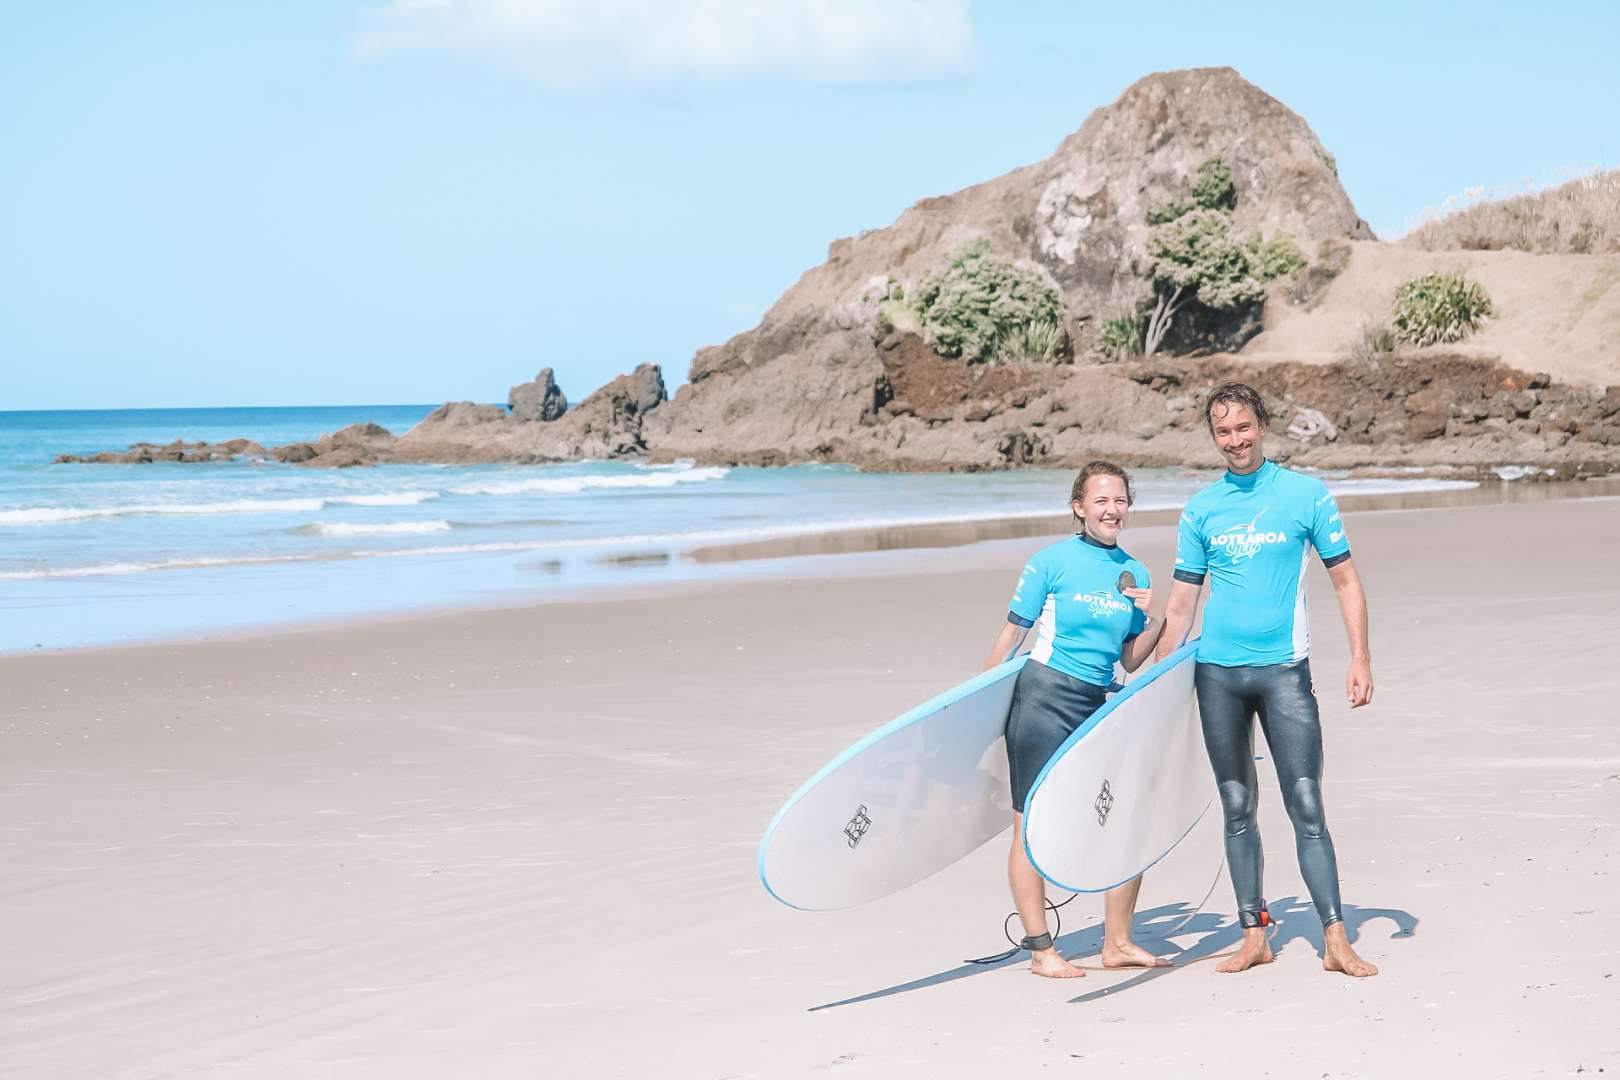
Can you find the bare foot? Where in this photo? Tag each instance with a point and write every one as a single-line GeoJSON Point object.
{"type": "Point", "coordinates": [1047, 962]}
{"type": "Point", "coordinates": [1254, 951]}
{"type": "Point", "coordinates": [1337, 955]}
{"type": "Point", "coordinates": [1130, 954]}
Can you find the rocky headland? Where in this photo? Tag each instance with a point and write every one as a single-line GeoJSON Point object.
{"type": "Point", "coordinates": [843, 369]}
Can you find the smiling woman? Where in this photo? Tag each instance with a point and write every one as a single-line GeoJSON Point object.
{"type": "Point", "coordinates": [1090, 600]}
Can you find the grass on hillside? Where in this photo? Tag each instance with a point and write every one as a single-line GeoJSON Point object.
{"type": "Point", "coordinates": [1581, 217]}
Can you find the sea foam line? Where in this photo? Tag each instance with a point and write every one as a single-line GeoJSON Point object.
{"type": "Point", "coordinates": [385, 528]}
{"type": "Point", "coordinates": [122, 568]}
{"type": "Point", "coordinates": [573, 485]}
{"type": "Point", "coordinates": [48, 515]}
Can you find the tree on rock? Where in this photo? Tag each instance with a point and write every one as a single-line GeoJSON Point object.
{"type": "Point", "coordinates": [1194, 257]}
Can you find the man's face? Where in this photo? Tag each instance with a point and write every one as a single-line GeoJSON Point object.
{"type": "Point", "coordinates": [1237, 436]}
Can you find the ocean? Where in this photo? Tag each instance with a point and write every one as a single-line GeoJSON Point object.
{"type": "Point", "coordinates": [110, 554]}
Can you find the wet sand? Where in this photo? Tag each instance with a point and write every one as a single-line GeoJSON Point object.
{"type": "Point", "coordinates": [521, 842]}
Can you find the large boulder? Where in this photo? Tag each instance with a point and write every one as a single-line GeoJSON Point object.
{"type": "Point", "coordinates": [541, 400]}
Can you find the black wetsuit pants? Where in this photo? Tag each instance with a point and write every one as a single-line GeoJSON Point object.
{"type": "Point", "coordinates": [1281, 695]}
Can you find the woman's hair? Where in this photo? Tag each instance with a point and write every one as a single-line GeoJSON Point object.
{"type": "Point", "coordinates": [1233, 394]}
{"type": "Point", "coordinates": [1097, 468]}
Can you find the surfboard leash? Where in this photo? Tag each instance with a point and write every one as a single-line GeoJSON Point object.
{"type": "Point", "coordinates": [1019, 946]}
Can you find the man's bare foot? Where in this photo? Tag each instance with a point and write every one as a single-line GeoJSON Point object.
{"type": "Point", "coordinates": [1255, 950]}
{"type": "Point", "coordinates": [1337, 955]}
{"type": "Point", "coordinates": [1130, 954]}
{"type": "Point", "coordinates": [1049, 963]}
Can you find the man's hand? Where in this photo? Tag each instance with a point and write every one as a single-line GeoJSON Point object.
{"type": "Point", "coordinates": [1358, 682]}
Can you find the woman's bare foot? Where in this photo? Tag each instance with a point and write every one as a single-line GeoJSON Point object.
{"type": "Point", "coordinates": [1337, 955]}
{"type": "Point", "coordinates": [1130, 954]}
{"type": "Point", "coordinates": [1254, 951]}
{"type": "Point", "coordinates": [1049, 963]}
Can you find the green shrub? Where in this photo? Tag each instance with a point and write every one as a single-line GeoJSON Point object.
{"type": "Point", "coordinates": [1276, 257]}
{"type": "Point", "coordinates": [984, 310]}
{"type": "Point", "coordinates": [1040, 340]}
{"type": "Point", "coordinates": [1439, 308]}
{"type": "Point", "coordinates": [1169, 212]}
{"type": "Point", "coordinates": [1214, 190]}
{"type": "Point", "coordinates": [1121, 336]}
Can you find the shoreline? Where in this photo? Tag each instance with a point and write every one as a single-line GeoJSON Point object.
{"type": "Point", "coordinates": [838, 553]}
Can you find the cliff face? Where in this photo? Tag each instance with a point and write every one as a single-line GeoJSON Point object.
{"type": "Point", "coordinates": [810, 374]}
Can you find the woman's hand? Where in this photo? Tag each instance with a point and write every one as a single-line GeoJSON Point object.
{"type": "Point", "coordinates": [1142, 598]}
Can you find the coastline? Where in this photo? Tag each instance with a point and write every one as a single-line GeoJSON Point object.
{"type": "Point", "coordinates": [495, 840]}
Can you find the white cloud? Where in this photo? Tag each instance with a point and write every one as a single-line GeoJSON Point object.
{"type": "Point", "coordinates": [595, 42]}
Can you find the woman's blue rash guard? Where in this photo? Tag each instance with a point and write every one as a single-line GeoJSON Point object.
{"type": "Point", "coordinates": [1248, 534]}
{"type": "Point", "coordinates": [1077, 581]}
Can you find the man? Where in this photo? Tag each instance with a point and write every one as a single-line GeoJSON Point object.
{"type": "Point", "coordinates": [1248, 532]}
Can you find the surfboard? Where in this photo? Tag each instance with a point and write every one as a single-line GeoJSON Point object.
{"type": "Point", "coordinates": [1126, 786]}
{"type": "Point", "coordinates": [900, 805]}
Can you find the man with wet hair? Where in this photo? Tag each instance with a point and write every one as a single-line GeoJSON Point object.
{"type": "Point", "coordinates": [1250, 534]}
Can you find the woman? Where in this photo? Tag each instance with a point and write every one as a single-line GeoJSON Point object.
{"type": "Point", "coordinates": [1092, 602]}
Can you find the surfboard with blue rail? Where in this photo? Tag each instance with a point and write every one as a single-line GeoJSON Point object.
{"type": "Point", "coordinates": [1126, 786]}
{"type": "Point", "coordinates": [900, 805]}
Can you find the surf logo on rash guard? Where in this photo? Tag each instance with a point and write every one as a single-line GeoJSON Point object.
{"type": "Point", "coordinates": [1102, 605]}
{"type": "Point", "coordinates": [1245, 541]}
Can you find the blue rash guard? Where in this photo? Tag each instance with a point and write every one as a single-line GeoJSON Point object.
{"type": "Point", "coordinates": [1076, 582]}
{"type": "Point", "coordinates": [1249, 535]}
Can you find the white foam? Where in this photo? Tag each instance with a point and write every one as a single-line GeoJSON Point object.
{"type": "Point", "coordinates": [572, 485]}
{"type": "Point", "coordinates": [388, 498]}
{"type": "Point", "coordinates": [121, 568]}
{"type": "Point", "coordinates": [44, 515]}
{"type": "Point", "coordinates": [387, 528]}
{"type": "Point", "coordinates": [1517, 472]}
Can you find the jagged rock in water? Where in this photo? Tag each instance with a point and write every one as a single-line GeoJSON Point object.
{"type": "Point", "coordinates": [540, 400]}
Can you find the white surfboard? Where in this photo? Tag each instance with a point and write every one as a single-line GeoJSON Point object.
{"type": "Point", "coordinates": [900, 805]}
{"type": "Point", "coordinates": [1126, 786]}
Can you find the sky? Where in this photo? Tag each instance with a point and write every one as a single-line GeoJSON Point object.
{"type": "Point", "coordinates": [314, 202]}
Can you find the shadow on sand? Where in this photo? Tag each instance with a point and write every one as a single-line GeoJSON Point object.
{"type": "Point", "coordinates": [1295, 921]}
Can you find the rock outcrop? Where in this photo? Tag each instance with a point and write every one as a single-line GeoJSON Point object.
{"type": "Point", "coordinates": [823, 378]}
{"type": "Point", "coordinates": [148, 453]}
{"type": "Point", "coordinates": [540, 400]}
{"type": "Point", "coordinates": [807, 376]}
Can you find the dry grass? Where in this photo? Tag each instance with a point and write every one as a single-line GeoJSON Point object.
{"type": "Point", "coordinates": [1581, 217]}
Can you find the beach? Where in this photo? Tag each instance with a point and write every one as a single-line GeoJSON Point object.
{"type": "Point", "coordinates": [520, 841]}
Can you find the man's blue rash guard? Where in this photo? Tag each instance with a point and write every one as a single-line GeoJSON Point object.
{"type": "Point", "coordinates": [1077, 583]}
{"type": "Point", "coordinates": [1248, 534]}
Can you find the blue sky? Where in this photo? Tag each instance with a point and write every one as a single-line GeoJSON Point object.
{"type": "Point", "coordinates": [420, 200]}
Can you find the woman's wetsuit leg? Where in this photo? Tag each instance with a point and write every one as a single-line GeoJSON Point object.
{"type": "Point", "coordinates": [1227, 709]}
{"type": "Point", "coordinates": [1293, 727]}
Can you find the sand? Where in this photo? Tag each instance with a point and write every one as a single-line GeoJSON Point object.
{"type": "Point", "coordinates": [521, 843]}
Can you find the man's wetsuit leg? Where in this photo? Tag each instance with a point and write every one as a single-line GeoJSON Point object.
{"type": "Point", "coordinates": [1227, 709]}
{"type": "Point", "coordinates": [1293, 727]}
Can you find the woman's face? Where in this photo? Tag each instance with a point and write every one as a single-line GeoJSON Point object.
{"type": "Point", "coordinates": [1103, 506]}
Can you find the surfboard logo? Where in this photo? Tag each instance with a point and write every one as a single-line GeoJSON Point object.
{"type": "Point", "coordinates": [858, 825]}
{"type": "Point", "coordinates": [1104, 803]}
